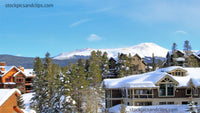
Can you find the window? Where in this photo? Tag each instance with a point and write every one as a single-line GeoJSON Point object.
{"type": "Point", "coordinates": [192, 91]}
{"type": "Point", "coordinates": [143, 93]}
{"type": "Point", "coordinates": [178, 73]}
{"type": "Point", "coordinates": [108, 103]}
{"type": "Point", "coordinates": [170, 89]}
{"type": "Point", "coordinates": [164, 103]}
{"type": "Point", "coordinates": [7, 86]}
{"type": "Point", "coordinates": [143, 103]}
{"type": "Point", "coordinates": [108, 93]}
{"type": "Point", "coordinates": [166, 88]}
{"type": "Point", "coordinates": [162, 90]}
{"type": "Point", "coordinates": [137, 91]}
{"type": "Point", "coordinates": [188, 91]}
{"type": "Point", "coordinates": [19, 80]}
{"type": "Point", "coordinates": [170, 102]}
{"type": "Point", "coordinates": [8, 79]}
{"type": "Point", "coordinates": [185, 102]}
{"type": "Point", "coordinates": [195, 91]}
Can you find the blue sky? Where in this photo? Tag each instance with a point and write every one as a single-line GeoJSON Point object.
{"type": "Point", "coordinates": [76, 24]}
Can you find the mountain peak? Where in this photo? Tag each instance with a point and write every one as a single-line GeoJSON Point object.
{"type": "Point", "coordinates": [142, 49]}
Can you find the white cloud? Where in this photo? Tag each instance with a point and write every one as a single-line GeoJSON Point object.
{"type": "Point", "coordinates": [18, 55]}
{"type": "Point", "coordinates": [94, 37]}
{"type": "Point", "coordinates": [181, 32]}
{"type": "Point", "coordinates": [79, 22]}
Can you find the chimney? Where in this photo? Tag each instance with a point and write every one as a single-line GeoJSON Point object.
{"type": "Point", "coordinates": [2, 64]}
{"type": "Point", "coordinates": [21, 68]}
{"type": "Point", "coordinates": [2, 69]}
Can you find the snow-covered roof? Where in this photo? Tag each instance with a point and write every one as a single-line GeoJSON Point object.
{"type": "Point", "coordinates": [180, 59]}
{"type": "Point", "coordinates": [6, 69]}
{"type": "Point", "coordinates": [6, 93]}
{"type": "Point", "coordinates": [151, 78]}
{"type": "Point", "coordinates": [26, 72]}
{"type": "Point", "coordinates": [29, 72]}
{"type": "Point", "coordinates": [9, 83]}
{"type": "Point", "coordinates": [196, 55]}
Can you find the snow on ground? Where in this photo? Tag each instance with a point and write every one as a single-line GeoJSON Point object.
{"type": "Point", "coordinates": [27, 100]}
{"type": "Point", "coordinates": [152, 109]}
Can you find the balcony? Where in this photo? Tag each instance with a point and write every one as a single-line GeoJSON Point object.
{"type": "Point", "coordinates": [28, 90]}
{"type": "Point", "coordinates": [28, 83]}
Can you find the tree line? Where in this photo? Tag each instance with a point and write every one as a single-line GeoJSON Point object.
{"type": "Point", "coordinates": [76, 87]}
{"type": "Point", "coordinates": [189, 56]}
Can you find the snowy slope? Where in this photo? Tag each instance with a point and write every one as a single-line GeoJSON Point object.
{"type": "Point", "coordinates": [143, 49]}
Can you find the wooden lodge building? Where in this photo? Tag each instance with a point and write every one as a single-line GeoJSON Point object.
{"type": "Point", "coordinates": [171, 85]}
{"type": "Point", "coordinates": [181, 58]}
{"type": "Point", "coordinates": [16, 77]}
{"type": "Point", "coordinates": [8, 101]}
{"type": "Point", "coordinates": [138, 66]}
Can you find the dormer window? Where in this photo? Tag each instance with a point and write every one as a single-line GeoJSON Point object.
{"type": "Point", "coordinates": [178, 72]}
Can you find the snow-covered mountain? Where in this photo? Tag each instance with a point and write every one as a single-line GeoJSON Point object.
{"type": "Point", "coordinates": [143, 49]}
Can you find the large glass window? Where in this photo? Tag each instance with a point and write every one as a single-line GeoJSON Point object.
{"type": "Point", "coordinates": [170, 89]}
{"type": "Point", "coordinates": [192, 91]}
{"type": "Point", "coordinates": [166, 88]}
{"type": "Point", "coordinates": [162, 89]}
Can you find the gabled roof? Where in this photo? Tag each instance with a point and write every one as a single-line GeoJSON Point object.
{"type": "Point", "coordinates": [6, 93]}
{"type": "Point", "coordinates": [19, 73]}
{"type": "Point", "coordinates": [168, 69]}
{"type": "Point", "coordinates": [29, 72]}
{"type": "Point", "coordinates": [167, 76]}
{"type": "Point", "coordinates": [26, 72]}
{"type": "Point", "coordinates": [151, 78]}
{"type": "Point", "coordinates": [170, 52]}
{"type": "Point", "coordinates": [195, 55]}
{"type": "Point", "coordinates": [7, 69]}
{"type": "Point", "coordinates": [137, 56]}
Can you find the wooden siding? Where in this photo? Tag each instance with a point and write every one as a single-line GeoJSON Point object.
{"type": "Point", "coordinates": [8, 106]}
{"type": "Point", "coordinates": [9, 75]}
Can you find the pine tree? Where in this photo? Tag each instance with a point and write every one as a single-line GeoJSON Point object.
{"type": "Point", "coordinates": [160, 63]}
{"type": "Point", "coordinates": [187, 48]}
{"type": "Point", "coordinates": [153, 62]}
{"type": "Point", "coordinates": [78, 82]}
{"type": "Point", "coordinates": [190, 61]}
{"type": "Point", "coordinates": [20, 102]}
{"type": "Point", "coordinates": [122, 64]}
{"type": "Point", "coordinates": [131, 65]}
{"type": "Point", "coordinates": [174, 55]}
{"type": "Point", "coordinates": [38, 84]}
{"type": "Point", "coordinates": [105, 64]}
{"type": "Point", "coordinates": [48, 83]}
{"type": "Point", "coordinates": [94, 72]}
{"type": "Point", "coordinates": [51, 88]}
{"type": "Point", "coordinates": [54, 105]}
{"type": "Point", "coordinates": [174, 47]}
